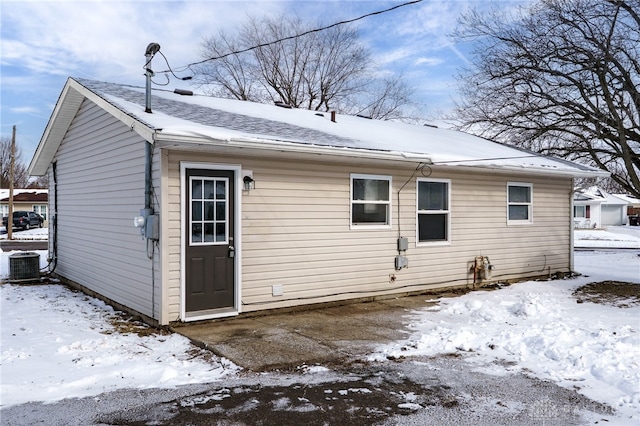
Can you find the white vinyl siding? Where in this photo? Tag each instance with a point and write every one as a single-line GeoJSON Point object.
{"type": "Point", "coordinates": [296, 233]}
{"type": "Point", "coordinates": [100, 189]}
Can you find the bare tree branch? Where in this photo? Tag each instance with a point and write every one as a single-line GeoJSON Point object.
{"type": "Point", "coordinates": [561, 77]}
{"type": "Point", "coordinates": [322, 71]}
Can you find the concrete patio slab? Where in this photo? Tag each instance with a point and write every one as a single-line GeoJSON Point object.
{"type": "Point", "coordinates": [288, 340]}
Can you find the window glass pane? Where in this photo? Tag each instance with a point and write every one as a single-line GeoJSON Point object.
{"type": "Point", "coordinates": [209, 190]}
{"type": "Point", "coordinates": [518, 212]}
{"type": "Point", "coordinates": [371, 189]}
{"type": "Point", "coordinates": [579, 211]}
{"type": "Point", "coordinates": [220, 210]}
{"type": "Point", "coordinates": [221, 232]}
{"type": "Point", "coordinates": [196, 210]}
{"type": "Point", "coordinates": [519, 194]}
{"type": "Point", "coordinates": [369, 213]}
{"type": "Point", "coordinates": [221, 189]}
{"type": "Point", "coordinates": [208, 233]}
{"type": "Point", "coordinates": [196, 189]}
{"type": "Point", "coordinates": [432, 196]}
{"type": "Point", "coordinates": [43, 211]}
{"type": "Point", "coordinates": [209, 210]}
{"type": "Point", "coordinates": [432, 227]}
{"type": "Point", "coordinates": [196, 233]}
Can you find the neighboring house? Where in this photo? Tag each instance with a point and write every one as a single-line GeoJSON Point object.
{"type": "Point", "coordinates": [596, 208]}
{"type": "Point", "coordinates": [633, 204]}
{"type": "Point", "coordinates": [251, 207]}
{"type": "Point", "coordinates": [31, 200]}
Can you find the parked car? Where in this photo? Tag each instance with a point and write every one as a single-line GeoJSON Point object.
{"type": "Point", "coordinates": [24, 220]}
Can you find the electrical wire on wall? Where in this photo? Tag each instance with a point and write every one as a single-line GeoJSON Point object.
{"type": "Point", "coordinates": [420, 168]}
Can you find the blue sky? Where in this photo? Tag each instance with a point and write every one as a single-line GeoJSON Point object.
{"type": "Point", "coordinates": [45, 42]}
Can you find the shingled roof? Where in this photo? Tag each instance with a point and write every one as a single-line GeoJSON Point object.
{"type": "Point", "coordinates": [206, 121]}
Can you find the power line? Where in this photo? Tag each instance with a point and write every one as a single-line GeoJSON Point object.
{"type": "Point", "coordinates": [248, 49]}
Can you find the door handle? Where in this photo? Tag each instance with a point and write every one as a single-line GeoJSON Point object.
{"type": "Point", "coordinates": [232, 251]}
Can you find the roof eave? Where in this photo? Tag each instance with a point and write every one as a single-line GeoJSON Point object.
{"type": "Point", "coordinates": [65, 110]}
{"type": "Point", "coordinates": [289, 147]}
{"type": "Point", "coordinates": [170, 140]}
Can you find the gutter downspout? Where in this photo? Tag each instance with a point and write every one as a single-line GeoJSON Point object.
{"type": "Point", "coordinates": [148, 212]}
{"type": "Point", "coordinates": [571, 232]}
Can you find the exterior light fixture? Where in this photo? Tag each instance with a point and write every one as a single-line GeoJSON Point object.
{"type": "Point", "coordinates": [249, 183]}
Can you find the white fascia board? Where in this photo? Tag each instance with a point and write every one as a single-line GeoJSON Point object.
{"type": "Point", "coordinates": [281, 146]}
{"type": "Point", "coordinates": [133, 123]}
{"type": "Point", "coordinates": [65, 110]}
{"type": "Point", "coordinates": [546, 171]}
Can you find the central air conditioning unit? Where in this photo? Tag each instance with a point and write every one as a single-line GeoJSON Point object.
{"type": "Point", "coordinates": [24, 266]}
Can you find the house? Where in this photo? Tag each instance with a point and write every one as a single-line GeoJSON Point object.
{"type": "Point", "coordinates": [205, 208]}
{"type": "Point", "coordinates": [32, 200]}
{"type": "Point", "coordinates": [596, 208]}
{"type": "Point", "coordinates": [633, 204]}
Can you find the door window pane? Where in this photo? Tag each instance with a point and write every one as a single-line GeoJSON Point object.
{"type": "Point", "coordinates": [196, 189]}
{"type": "Point", "coordinates": [196, 232]}
{"type": "Point", "coordinates": [196, 210]}
{"type": "Point", "coordinates": [209, 190]}
{"type": "Point", "coordinates": [221, 190]}
{"type": "Point", "coordinates": [209, 210]}
{"type": "Point", "coordinates": [208, 233]}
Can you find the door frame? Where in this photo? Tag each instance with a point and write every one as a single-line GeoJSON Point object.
{"type": "Point", "coordinates": [237, 227]}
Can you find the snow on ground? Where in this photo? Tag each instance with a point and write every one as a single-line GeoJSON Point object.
{"type": "Point", "coordinates": [58, 344]}
{"type": "Point", "coordinates": [539, 328]}
{"type": "Point", "coordinates": [31, 234]}
{"type": "Point", "coordinates": [609, 237]}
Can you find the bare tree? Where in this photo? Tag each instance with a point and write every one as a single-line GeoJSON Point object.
{"type": "Point", "coordinates": [562, 78]}
{"type": "Point", "coordinates": [322, 70]}
{"type": "Point", "coordinates": [21, 176]}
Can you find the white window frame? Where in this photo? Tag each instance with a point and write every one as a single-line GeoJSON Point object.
{"type": "Point", "coordinates": [387, 203]}
{"type": "Point", "coordinates": [226, 212]}
{"type": "Point", "coordinates": [529, 204]}
{"type": "Point", "coordinates": [580, 207]}
{"type": "Point", "coordinates": [38, 209]}
{"type": "Point", "coordinates": [447, 212]}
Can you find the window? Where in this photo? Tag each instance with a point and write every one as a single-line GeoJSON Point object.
{"type": "Point", "coordinates": [370, 200]}
{"type": "Point", "coordinates": [519, 204]}
{"type": "Point", "coordinates": [41, 210]}
{"type": "Point", "coordinates": [579, 211]}
{"type": "Point", "coordinates": [209, 210]}
{"type": "Point", "coordinates": [433, 210]}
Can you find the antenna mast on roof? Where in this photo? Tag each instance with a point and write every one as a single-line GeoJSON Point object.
{"type": "Point", "coordinates": [152, 49]}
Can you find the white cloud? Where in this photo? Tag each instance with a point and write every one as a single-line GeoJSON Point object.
{"type": "Point", "coordinates": [428, 61]}
{"type": "Point", "coordinates": [107, 39]}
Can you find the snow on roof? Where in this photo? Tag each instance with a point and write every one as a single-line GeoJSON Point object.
{"type": "Point", "coordinates": [214, 119]}
{"type": "Point", "coordinates": [629, 199]}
